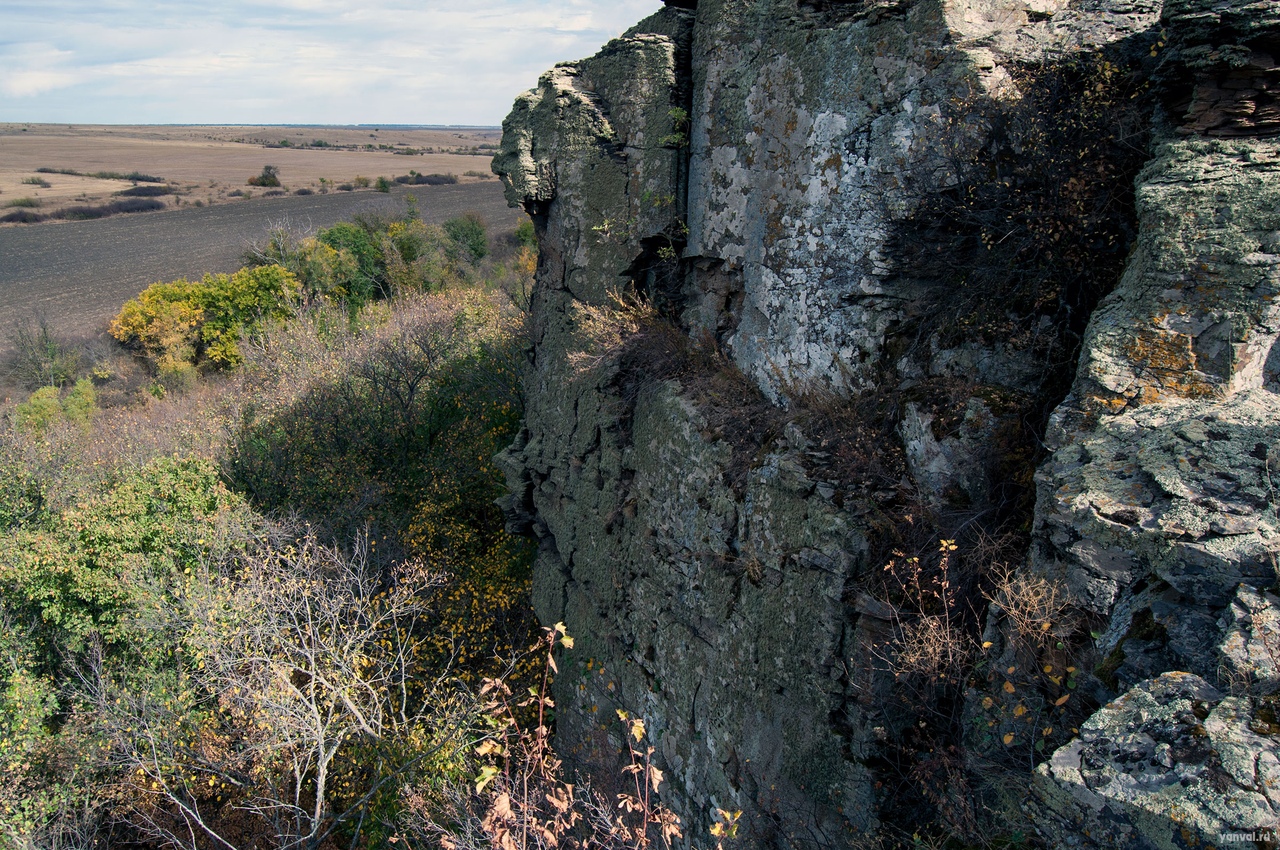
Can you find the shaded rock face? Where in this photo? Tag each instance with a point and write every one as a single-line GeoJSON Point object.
{"type": "Point", "coordinates": [876, 240]}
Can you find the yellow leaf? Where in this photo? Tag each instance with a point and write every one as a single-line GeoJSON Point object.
{"type": "Point", "coordinates": [487, 775]}
{"type": "Point", "coordinates": [986, 644]}
{"type": "Point", "coordinates": [566, 642]}
{"type": "Point", "coordinates": [1020, 710]}
{"type": "Point", "coordinates": [1008, 738]}
{"type": "Point", "coordinates": [1009, 688]}
{"type": "Point", "coordinates": [637, 729]}
{"type": "Point", "coordinates": [1062, 699]}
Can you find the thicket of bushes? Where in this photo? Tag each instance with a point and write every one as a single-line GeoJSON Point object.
{"type": "Point", "coordinates": [83, 212]}
{"type": "Point", "coordinates": [256, 609]}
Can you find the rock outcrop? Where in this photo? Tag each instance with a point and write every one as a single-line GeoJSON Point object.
{"type": "Point", "coordinates": [1172, 763]}
{"type": "Point", "coordinates": [812, 278]}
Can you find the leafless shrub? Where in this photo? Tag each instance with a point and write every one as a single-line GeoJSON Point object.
{"type": "Point", "coordinates": [40, 357]}
{"type": "Point", "coordinates": [521, 799]}
{"type": "Point", "coordinates": [933, 645]}
{"type": "Point", "coordinates": [608, 330]}
{"type": "Point", "coordinates": [1038, 608]}
{"type": "Point", "coordinates": [305, 703]}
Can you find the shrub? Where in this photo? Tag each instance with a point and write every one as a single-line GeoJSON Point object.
{"type": "Point", "coordinates": [525, 234]}
{"type": "Point", "coordinates": [323, 271]}
{"type": "Point", "coordinates": [23, 217]}
{"type": "Point", "coordinates": [270, 176]}
{"type": "Point", "coordinates": [382, 184]}
{"type": "Point", "coordinates": [81, 403]}
{"type": "Point", "coordinates": [357, 241]}
{"type": "Point", "coordinates": [37, 181]}
{"type": "Point", "coordinates": [28, 203]}
{"type": "Point", "coordinates": [40, 411]}
{"type": "Point", "coordinates": [39, 357]}
{"type": "Point", "coordinates": [416, 179]}
{"type": "Point", "coordinates": [83, 592]}
{"type": "Point", "coordinates": [134, 176]}
{"type": "Point", "coordinates": [184, 322]}
{"type": "Point", "coordinates": [520, 798]}
{"type": "Point", "coordinates": [320, 644]}
{"type": "Point", "coordinates": [130, 205]}
{"type": "Point", "coordinates": [468, 230]}
{"type": "Point", "coordinates": [146, 191]}
{"type": "Point", "coordinates": [162, 321]}
{"type": "Point", "coordinates": [303, 192]}
{"type": "Point", "coordinates": [273, 193]}
{"type": "Point", "coordinates": [236, 304]}
{"type": "Point", "coordinates": [345, 187]}
{"type": "Point", "coordinates": [361, 182]}
{"type": "Point", "coordinates": [418, 256]}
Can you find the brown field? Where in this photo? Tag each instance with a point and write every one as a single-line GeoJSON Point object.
{"type": "Point", "coordinates": [77, 274]}
{"type": "Point", "coordinates": [204, 164]}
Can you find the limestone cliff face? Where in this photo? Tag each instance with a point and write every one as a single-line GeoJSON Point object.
{"type": "Point", "coordinates": [874, 240]}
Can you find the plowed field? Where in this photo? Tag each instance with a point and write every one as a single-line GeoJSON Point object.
{"type": "Point", "coordinates": [78, 274]}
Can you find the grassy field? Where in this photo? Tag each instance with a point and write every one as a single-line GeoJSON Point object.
{"type": "Point", "coordinates": [206, 165]}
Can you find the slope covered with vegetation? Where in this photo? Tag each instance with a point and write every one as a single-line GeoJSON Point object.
{"type": "Point", "coordinates": [251, 572]}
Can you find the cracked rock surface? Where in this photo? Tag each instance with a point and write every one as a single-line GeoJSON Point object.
{"type": "Point", "coordinates": [1173, 763]}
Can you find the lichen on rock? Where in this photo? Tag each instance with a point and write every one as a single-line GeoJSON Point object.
{"type": "Point", "coordinates": [854, 253]}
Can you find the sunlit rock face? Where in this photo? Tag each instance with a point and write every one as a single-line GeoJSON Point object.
{"type": "Point", "coordinates": [854, 213]}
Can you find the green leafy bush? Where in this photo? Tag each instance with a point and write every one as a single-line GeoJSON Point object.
{"type": "Point", "coordinates": [468, 230]}
{"type": "Point", "coordinates": [40, 411]}
{"type": "Point", "coordinates": [47, 407]}
{"type": "Point", "coordinates": [186, 322]}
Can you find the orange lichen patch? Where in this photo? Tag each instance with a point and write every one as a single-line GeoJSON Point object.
{"type": "Point", "coordinates": [1166, 364]}
{"type": "Point", "coordinates": [1105, 404]}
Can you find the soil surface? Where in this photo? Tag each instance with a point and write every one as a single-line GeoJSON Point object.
{"type": "Point", "coordinates": [208, 164]}
{"type": "Point", "coordinates": [78, 274]}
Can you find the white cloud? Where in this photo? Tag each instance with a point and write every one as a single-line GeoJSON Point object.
{"type": "Point", "coordinates": [21, 84]}
{"type": "Point", "coordinates": [289, 61]}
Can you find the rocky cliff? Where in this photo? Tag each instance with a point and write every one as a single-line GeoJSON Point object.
{"type": "Point", "coordinates": [902, 414]}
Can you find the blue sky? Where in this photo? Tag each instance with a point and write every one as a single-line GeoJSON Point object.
{"type": "Point", "coordinates": [289, 61]}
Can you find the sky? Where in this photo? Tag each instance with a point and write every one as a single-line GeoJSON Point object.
{"type": "Point", "coordinates": [289, 61]}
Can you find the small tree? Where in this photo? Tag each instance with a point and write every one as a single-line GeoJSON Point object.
{"type": "Point", "coordinates": [302, 704]}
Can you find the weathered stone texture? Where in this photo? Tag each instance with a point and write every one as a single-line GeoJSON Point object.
{"type": "Point", "coordinates": [1171, 764]}
{"type": "Point", "coordinates": [731, 612]}
{"type": "Point", "coordinates": [1158, 507]}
